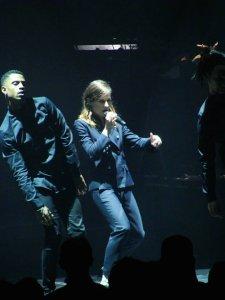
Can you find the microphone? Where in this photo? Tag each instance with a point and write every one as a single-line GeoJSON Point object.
{"type": "Point", "coordinates": [118, 119]}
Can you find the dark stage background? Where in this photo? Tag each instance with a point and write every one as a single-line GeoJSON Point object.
{"type": "Point", "coordinates": [152, 91]}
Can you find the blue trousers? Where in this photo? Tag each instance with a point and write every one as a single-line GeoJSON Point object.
{"type": "Point", "coordinates": [121, 212]}
{"type": "Point", "coordinates": [68, 220]}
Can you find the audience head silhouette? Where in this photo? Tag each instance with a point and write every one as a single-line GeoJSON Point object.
{"type": "Point", "coordinates": [177, 247]}
{"type": "Point", "coordinates": [178, 260]}
{"type": "Point", "coordinates": [75, 255]}
{"type": "Point", "coordinates": [216, 276]}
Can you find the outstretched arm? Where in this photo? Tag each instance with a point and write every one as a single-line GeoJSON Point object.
{"type": "Point", "coordinates": [136, 142]}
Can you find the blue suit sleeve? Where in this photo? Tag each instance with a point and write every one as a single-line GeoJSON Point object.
{"type": "Point", "coordinates": [18, 168]}
{"type": "Point", "coordinates": [94, 149]}
{"type": "Point", "coordinates": [133, 141]}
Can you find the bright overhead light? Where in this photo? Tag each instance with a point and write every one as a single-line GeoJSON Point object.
{"type": "Point", "coordinates": [111, 47]}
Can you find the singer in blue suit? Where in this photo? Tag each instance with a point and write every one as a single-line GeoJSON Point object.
{"type": "Point", "coordinates": [104, 137]}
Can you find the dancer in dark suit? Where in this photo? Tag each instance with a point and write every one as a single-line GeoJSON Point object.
{"type": "Point", "coordinates": [104, 136]}
{"type": "Point", "coordinates": [211, 121]}
{"type": "Point", "coordinates": [38, 147]}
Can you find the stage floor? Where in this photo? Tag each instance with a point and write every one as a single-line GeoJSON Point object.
{"type": "Point", "coordinates": [202, 275]}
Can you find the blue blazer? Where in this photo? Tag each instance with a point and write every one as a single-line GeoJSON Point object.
{"type": "Point", "coordinates": [108, 167]}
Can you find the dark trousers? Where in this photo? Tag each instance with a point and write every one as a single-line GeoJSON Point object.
{"type": "Point", "coordinates": [67, 212]}
{"type": "Point", "coordinates": [120, 210]}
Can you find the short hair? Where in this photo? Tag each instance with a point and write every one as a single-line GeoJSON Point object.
{"type": "Point", "coordinates": [8, 73]}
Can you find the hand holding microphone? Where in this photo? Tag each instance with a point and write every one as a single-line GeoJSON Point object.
{"type": "Point", "coordinates": [115, 117]}
{"type": "Point", "coordinates": [111, 118]}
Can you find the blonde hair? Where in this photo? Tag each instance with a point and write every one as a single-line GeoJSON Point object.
{"type": "Point", "coordinates": [95, 90]}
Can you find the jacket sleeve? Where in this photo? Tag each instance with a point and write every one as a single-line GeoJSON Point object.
{"type": "Point", "coordinates": [94, 149]}
{"type": "Point", "coordinates": [133, 141]}
{"type": "Point", "coordinates": [206, 151]}
{"type": "Point", "coordinates": [18, 168]}
{"type": "Point", "coordinates": [65, 135]}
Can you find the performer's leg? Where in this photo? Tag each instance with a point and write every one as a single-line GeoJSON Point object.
{"type": "Point", "coordinates": [137, 233]}
{"type": "Point", "coordinates": [70, 211]}
{"type": "Point", "coordinates": [52, 239]}
{"type": "Point", "coordinates": [111, 208]}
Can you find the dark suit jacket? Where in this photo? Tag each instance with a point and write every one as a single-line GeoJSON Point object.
{"type": "Point", "coordinates": [108, 167]}
{"type": "Point", "coordinates": [38, 146]}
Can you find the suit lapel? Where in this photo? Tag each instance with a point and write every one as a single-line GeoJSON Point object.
{"type": "Point", "coordinates": [114, 137]}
